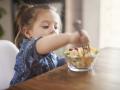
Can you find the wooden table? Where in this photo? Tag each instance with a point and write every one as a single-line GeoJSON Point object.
{"type": "Point", "coordinates": [104, 76]}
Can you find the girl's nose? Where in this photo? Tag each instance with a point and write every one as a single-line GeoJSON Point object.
{"type": "Point", "coordinates": [52, 29]}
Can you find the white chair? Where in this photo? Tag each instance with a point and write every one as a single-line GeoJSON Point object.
{"type": "Point", "coordinates": [8, 52]}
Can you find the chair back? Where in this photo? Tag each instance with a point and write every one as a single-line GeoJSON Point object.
{"type": "Point", "coordinates": [8, 52]}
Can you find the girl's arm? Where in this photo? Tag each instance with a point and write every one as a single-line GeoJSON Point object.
{"type": "Point", "coordinates": [55, 41]}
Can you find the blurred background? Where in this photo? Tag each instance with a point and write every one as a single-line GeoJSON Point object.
{"type": "Point", "coordinates": [100, 18]}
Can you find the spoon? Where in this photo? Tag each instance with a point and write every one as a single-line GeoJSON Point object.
{"type": "Point", "coordinates": [85, 47]}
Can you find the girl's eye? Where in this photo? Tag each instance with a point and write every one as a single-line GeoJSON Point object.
{"type": "Point", "coordinates": [45, 27]}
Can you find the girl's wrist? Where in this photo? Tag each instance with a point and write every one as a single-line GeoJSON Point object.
{"type": "Point", "coordinates": [69, 36]}
{"type": "Point", "coordinates": [74, 37]}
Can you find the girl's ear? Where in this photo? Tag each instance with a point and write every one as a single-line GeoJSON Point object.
{"type": "Point", "coordinates": [27, 32]}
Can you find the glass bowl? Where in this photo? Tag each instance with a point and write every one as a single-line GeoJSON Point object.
{"type": "Point", "coordinates": [76, 61]}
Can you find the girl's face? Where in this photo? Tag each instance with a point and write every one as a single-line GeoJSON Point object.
{"type": "Point", "coordinates": [47, 22]}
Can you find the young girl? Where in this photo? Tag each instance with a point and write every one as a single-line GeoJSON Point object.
{"type": "Point", "coordinates": [37, 38]}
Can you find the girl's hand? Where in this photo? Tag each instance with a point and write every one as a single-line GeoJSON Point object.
{"type": "Point", "coordinates": [79, 38]}
{"type": "Point", "coordinates": [84, 38]}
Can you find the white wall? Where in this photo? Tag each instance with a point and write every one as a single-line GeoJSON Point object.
{"type": "Point", "coordinates": [91, 16]}
{"type": "Point", "coordinates": [6, 21]}
{"type": "Point", "coordinates": [73, 12]}
{"type": "Point", "coordinates": [68, 15]}
{"type": "Point", "coordinates": [110, 23]}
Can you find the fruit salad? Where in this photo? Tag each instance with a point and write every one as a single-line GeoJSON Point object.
{"type": "Point", "coordinates": [80, 57]}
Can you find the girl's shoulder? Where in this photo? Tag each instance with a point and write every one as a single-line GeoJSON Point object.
{"type": "Point", "coordinates": [26, 43]}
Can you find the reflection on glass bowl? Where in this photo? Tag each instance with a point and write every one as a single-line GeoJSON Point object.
{"type": "Point", "coordinates": [79, 60]}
